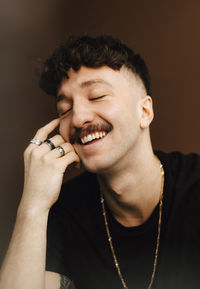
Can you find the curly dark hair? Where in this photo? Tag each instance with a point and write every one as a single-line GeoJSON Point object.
{"type": "Point", "coordinates": [91, 52]}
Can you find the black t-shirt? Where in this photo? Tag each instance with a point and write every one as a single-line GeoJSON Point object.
{"type": "Point", "coordinates": [78, 246]}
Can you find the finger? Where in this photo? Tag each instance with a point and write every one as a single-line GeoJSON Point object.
{"type": "Point", "coordinates": [68, 159]}
{"type": "Point", "coordinates": [54, 154]}
{"type": "Point", "coordinates": [56, 140]}
{"type": "Point", "coordinates": [44, 131]}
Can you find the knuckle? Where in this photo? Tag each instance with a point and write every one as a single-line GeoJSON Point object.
{"type": "Point", "coordinates": [69, 147]}
{"type": "Point", "coordinates": [46, 159]}
{"type": "Point", "coordinates": [73, 156]}
{"type": "Point", "coordinates": [59, 137]}
{"type": "Point", "coordinates": [35, 154]}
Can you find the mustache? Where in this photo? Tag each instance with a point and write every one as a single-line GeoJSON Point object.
{"type": "Point", "coordinates": [80, 132]}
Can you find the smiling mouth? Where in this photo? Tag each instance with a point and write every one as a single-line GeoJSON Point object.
{"type": "Point", "coordinates": [92, 136]}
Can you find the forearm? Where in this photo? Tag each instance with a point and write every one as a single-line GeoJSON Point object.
{"type": "Point", "coordinates": [24, 264]}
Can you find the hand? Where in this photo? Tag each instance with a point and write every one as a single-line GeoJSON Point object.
{"type": "Point", "coordinates": [44, 170]}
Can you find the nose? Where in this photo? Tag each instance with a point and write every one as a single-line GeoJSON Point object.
{"type": "Point", "coordinates": [81, 114]}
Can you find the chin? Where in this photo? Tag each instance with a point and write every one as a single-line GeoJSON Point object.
{"type": "Point", "coordinates": [97, 167]}
{"type": "Point", "coordinates": [94, 169]}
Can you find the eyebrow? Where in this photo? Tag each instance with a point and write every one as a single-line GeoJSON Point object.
{"type": "Point", "coordinates": [84, 84]}
{"type": "Point", "coordinates": [91, 82]}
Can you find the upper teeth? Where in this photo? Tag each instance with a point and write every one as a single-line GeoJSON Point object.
{"type": "Point", "coordinates": [93, 136]}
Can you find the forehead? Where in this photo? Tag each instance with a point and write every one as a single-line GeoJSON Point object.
{"type": "Point", "coordinates": [87, 78]}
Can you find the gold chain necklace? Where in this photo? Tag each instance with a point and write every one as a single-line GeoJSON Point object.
{"type": "Point", "coordinates": [157, 242]}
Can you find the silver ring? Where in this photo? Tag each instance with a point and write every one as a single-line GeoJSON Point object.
{"type": "Point", "coordinates": [36, 141]}
{"type": "Point", "coordinates": [50, 144]}
{"type": "Point", "coordinates": [61, 150]}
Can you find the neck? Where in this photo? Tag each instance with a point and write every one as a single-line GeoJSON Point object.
{"type": "Point", "coordinates": [133, 193]}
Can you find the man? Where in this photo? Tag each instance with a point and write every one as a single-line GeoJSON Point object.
{"type": "Point", "coordinates": [130, 221]}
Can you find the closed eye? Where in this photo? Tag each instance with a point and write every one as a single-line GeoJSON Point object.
{"type": "Point", "coordinates": [64, 112]}
{"type": "Point", "coordinates": [98, 97]}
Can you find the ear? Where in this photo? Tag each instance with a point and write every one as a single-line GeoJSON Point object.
{"type": "Point", "coordinates": [147, 112]}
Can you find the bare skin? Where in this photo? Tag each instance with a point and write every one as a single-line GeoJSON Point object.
{"type": "Point", "coordinates": [123, 159]}
{"type": "Point", "coordinates": [24, 265]}
{"type": "Point", "coordinates": [133, 209]}
{"type": "Point", "coordinates": [128, 171]}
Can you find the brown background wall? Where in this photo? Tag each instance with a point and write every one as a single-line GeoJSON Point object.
{"type": "Point", "coordinates": [166, 33]}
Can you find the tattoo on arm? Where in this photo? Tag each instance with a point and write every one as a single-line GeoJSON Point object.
{"type": "Point", "coordinates": [64, 282]}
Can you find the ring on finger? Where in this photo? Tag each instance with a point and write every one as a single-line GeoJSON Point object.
{"type": "Point", "coordinates": [36, 141]}
{"type": "Point", "coordinates": [50, 144]}
{"type": "Point", "coordinates": [61, 150]}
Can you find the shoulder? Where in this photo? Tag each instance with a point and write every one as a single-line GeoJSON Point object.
{"type": "Point", "coordinates": [179, 157]}
{"type": "Point", "coordinates": [184, 167]}
{"type": "Point", "coordinates": [182, 179]}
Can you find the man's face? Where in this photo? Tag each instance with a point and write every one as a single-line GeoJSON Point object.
{"type": "Point", "coordinates": [101, 111]}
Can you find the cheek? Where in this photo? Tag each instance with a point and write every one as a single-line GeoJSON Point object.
{"type": "Point", "coordinates": [64, 130]}
{"type": "Point", "coordinates": [111, 111]}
